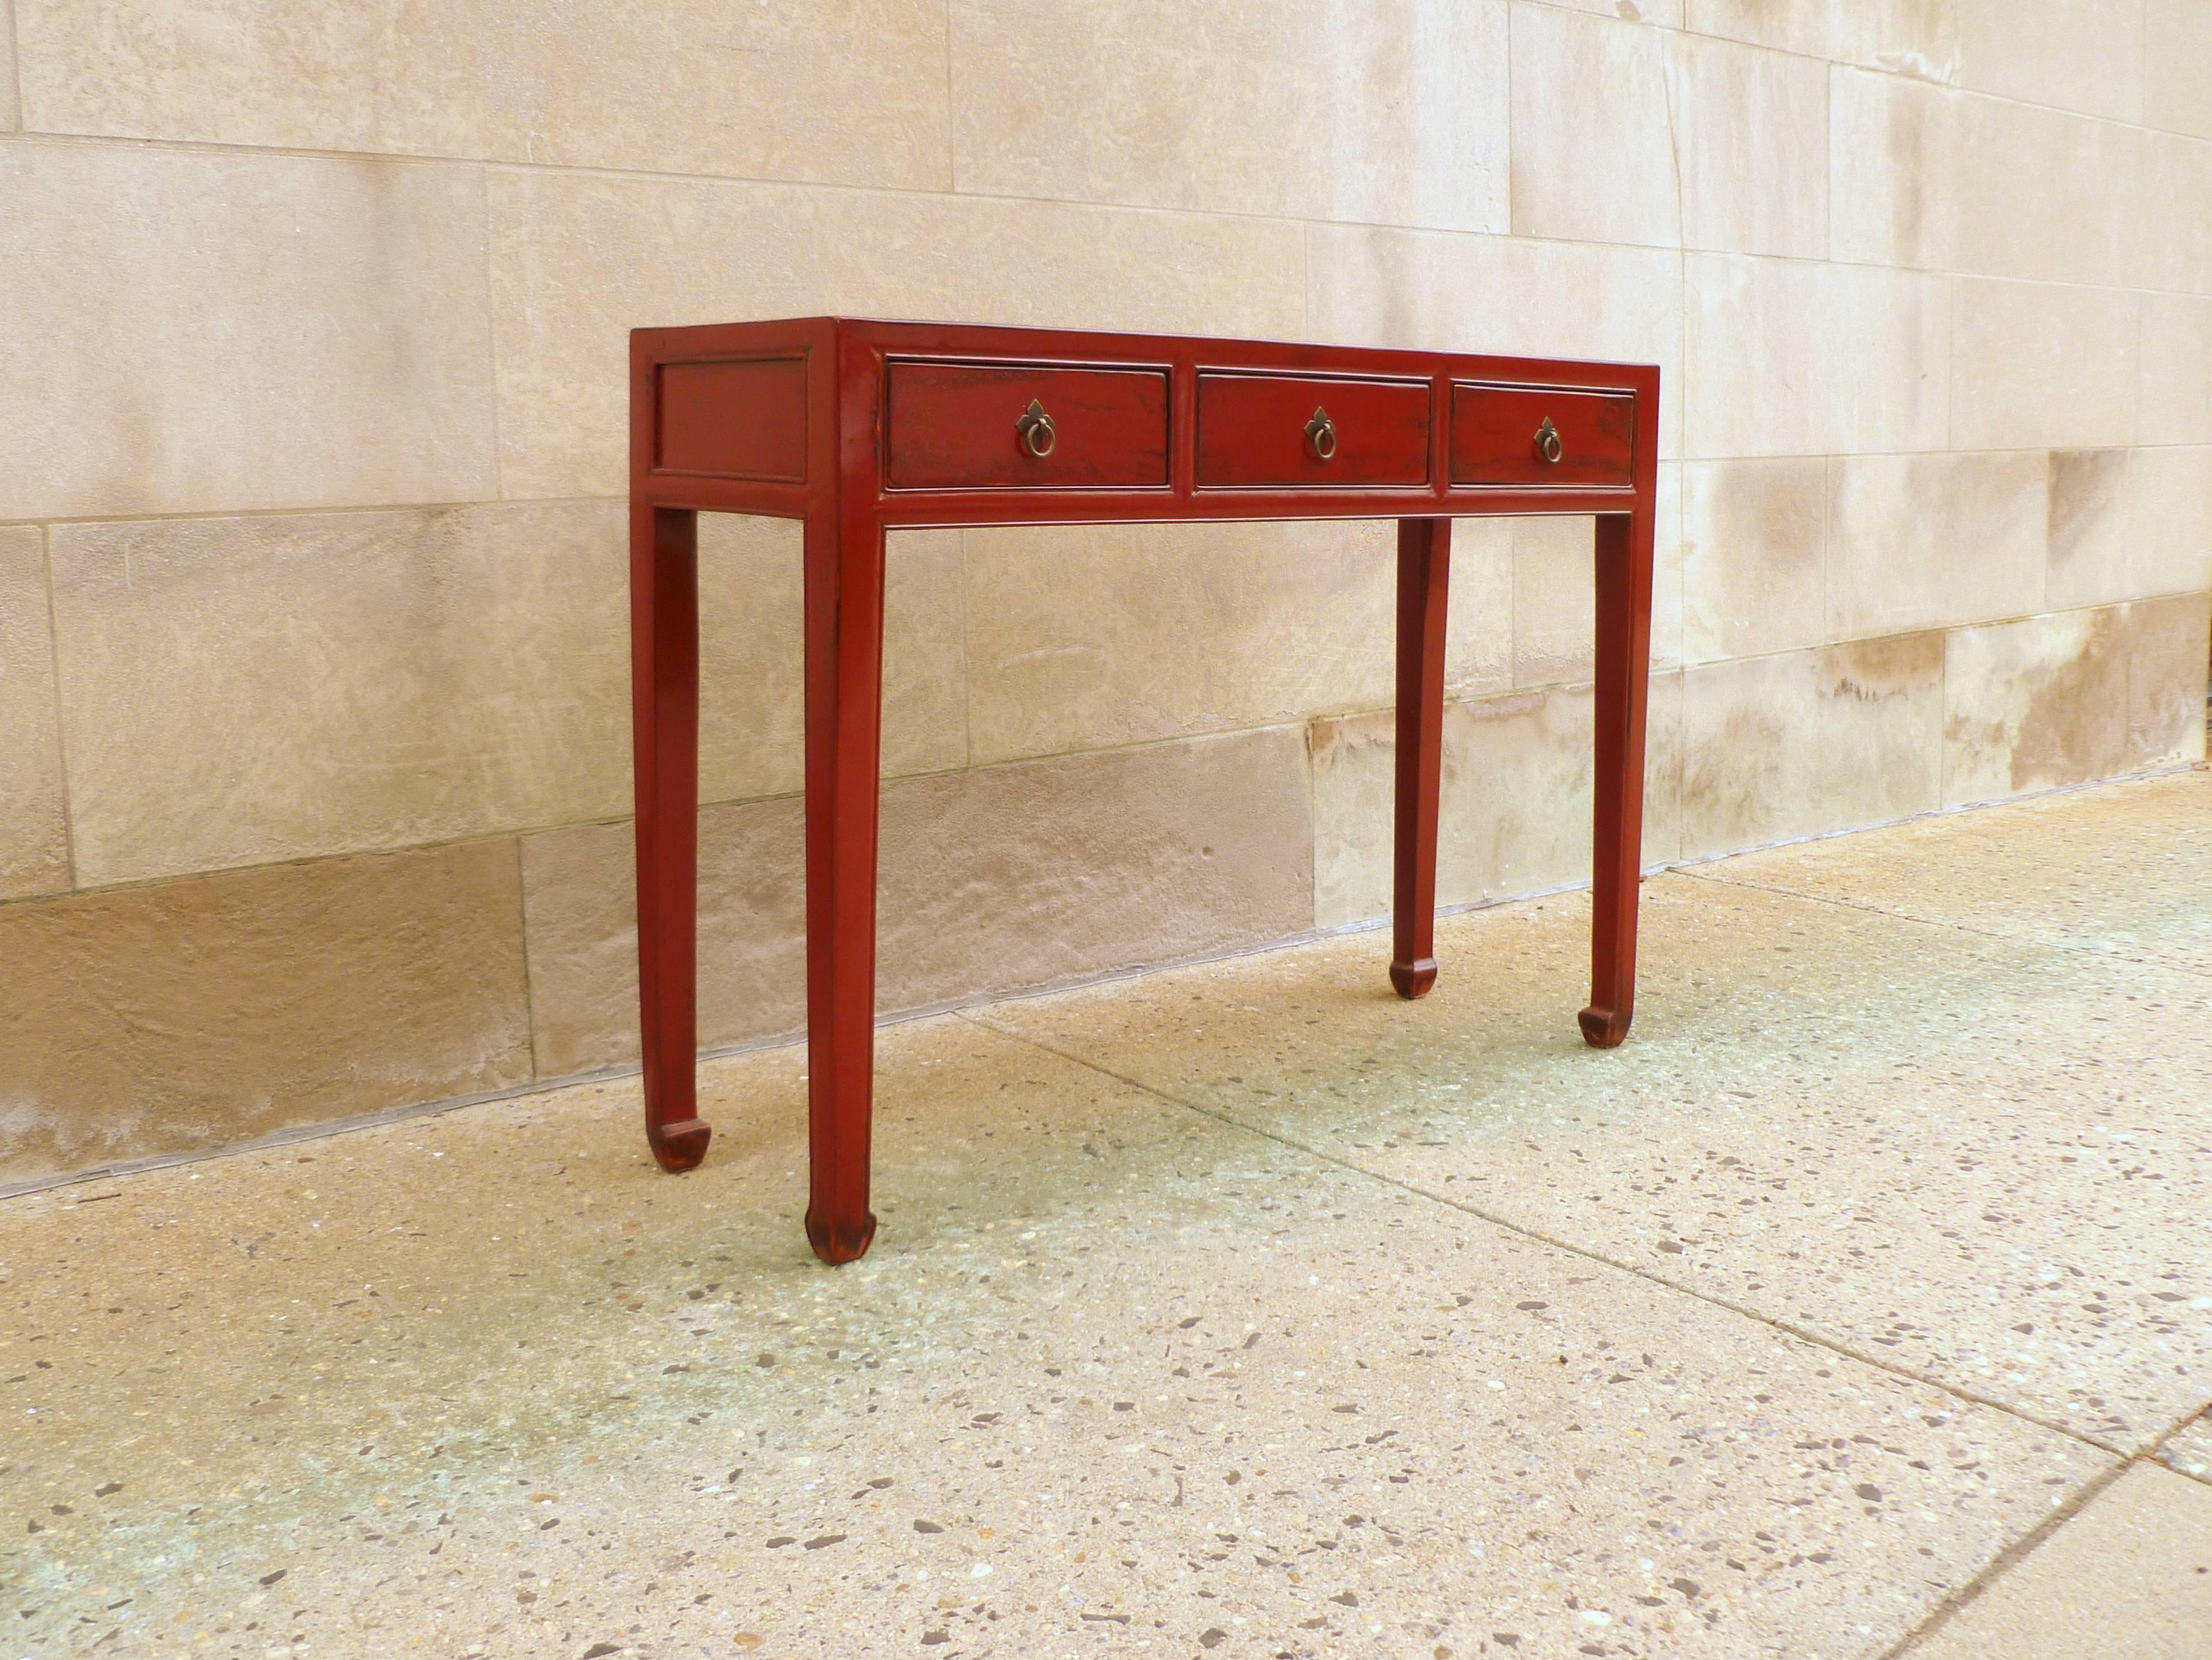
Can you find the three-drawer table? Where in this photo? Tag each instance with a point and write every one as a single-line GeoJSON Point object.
{"type": "Point", "coordinates": [856, 428]}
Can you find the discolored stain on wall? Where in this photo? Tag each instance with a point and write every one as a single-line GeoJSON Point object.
{"type": "Point", "coordinates": [2167, 651]}
{"type": "Point", "coordinates": [2034, 704]}
{"type": "Point", "coordinates": [1805, 742]}
{"type": "Point", "coordinates": [2068, 734]}
{"type": "Point", "coordinates": [179, 1015]}
{"type": "Point", "coordinates": [2089, 507]}
{"type": "Point", "coordinates": [1002, 876]}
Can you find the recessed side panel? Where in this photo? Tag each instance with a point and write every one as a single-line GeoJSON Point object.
{"type": "Point", "coordinates": [1541, 435]}
{"type": "Point", "coordinates": [739, 419]}
{"type": "Point", "coordinates": [991, 426]}
{"type": "Point", "coordinates": [1257, 430]}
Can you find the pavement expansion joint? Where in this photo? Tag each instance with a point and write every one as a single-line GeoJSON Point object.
{"type": "Point", "coordinates": [2004, 1562]}
{"type": "Point", "coordinates": [1817, 1339]}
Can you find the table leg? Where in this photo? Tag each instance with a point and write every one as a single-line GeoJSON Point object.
{"type": "Point", "coordinates": [1423, 584]}
{"type": "Point", "coordinates": [1624, 678]}
{"type": "Point", "coordinates": [664, 599]}
{"type": "Point", "coordinates": [844, 720]}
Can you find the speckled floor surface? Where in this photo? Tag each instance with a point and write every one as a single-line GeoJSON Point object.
{"type": "Point", "coordinates": [1860, 1304]}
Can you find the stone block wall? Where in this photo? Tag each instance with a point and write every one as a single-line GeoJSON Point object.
{"type": "Point", "coordinates": [313, 733]}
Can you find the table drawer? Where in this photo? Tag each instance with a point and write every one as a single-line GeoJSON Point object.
{"type": "Point", "coordinates": [1500, 436]}
{"type": "Point", "coordinates": [969, 425]}
{"type": "Point", "coordinates": [1276, 429]}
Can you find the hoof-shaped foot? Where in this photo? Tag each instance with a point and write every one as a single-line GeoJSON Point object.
{"type": "Point", "coordinates": [846, 1242]}
{"type": "Point", "coordinates": [1603, 1029]}
{"type": "Point", "coordinates": [679, 1147]}
{"type": "Point", "coordinates": [1413, 979]}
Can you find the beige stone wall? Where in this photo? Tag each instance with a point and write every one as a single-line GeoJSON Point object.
{"type": "Point", "coordinates": [314, 741]}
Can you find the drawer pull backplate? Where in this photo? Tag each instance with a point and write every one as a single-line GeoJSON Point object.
{"type": "Point", "coordinates": [1321, 432]}
{"type": "Point", "coordinates": [1035, 430]}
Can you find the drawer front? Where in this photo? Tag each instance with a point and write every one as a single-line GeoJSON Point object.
{"type": "Point", "coordinates": [1277, 429]}
{"type": "Point", "coordinates": [1499, 436]}
{"type": "Point", "coordinates": [968, 426]}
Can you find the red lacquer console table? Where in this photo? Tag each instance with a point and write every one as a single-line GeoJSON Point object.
{"type": "Point", "coordinates": [856, 428]}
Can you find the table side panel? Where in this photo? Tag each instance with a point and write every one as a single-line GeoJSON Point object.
{"type": "Point", "coordinates": [734, 418]}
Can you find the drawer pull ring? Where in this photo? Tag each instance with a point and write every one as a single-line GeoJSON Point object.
{"type": "Point", "coordinates": [1035, 430]}
{"type": "Point", "coordinates": [1548, 441]}
{"type": "Point", "coordinates": [1321, 432]}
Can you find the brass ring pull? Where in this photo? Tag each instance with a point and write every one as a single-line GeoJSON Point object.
{"type": "Point", "coordinates": [1548, 441]}
{"type": "Point", "coordinates": [1321, 434]}
{"type": "Point", "coordinates": [1035, 430]}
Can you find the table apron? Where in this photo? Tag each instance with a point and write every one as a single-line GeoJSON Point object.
{"type": "Point", "coordinates": [922, 509]}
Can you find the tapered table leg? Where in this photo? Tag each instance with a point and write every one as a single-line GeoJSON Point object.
{"type": "Point", "coordinates": [844, 718]}
{"type": "Point", "coordinates": [663, 597]}
{"type": "Point", "coordinates": [1424, 587]}
{"type": "Point", "coordinates": [1623, 678]}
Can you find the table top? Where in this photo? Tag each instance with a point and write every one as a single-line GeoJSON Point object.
{"type": "Point", "coordinates": [903, 335]}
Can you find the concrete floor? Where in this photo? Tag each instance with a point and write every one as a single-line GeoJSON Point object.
{"type": "Point", "coordinates": [1861, 1304]}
